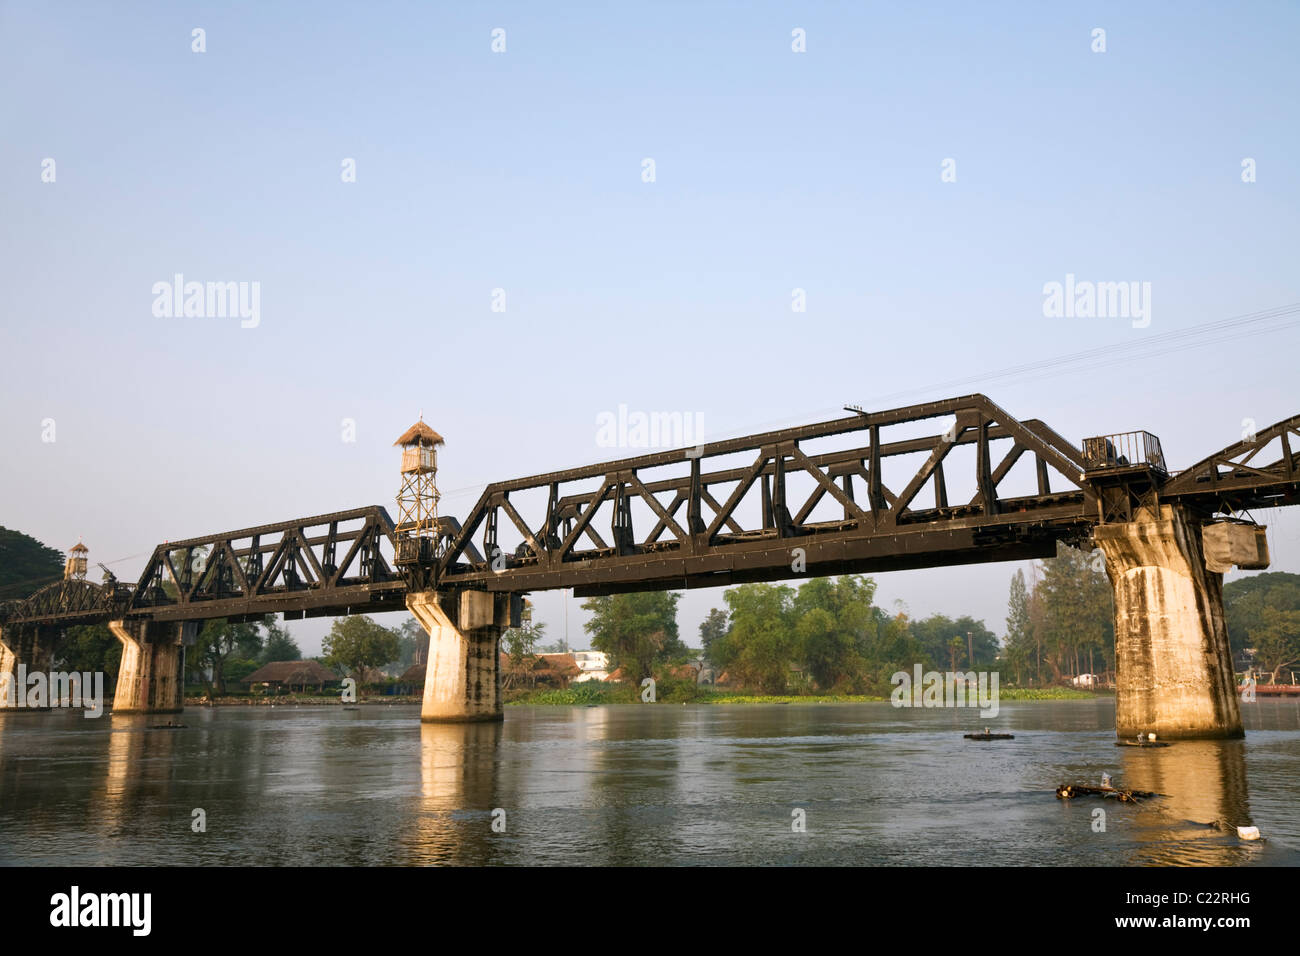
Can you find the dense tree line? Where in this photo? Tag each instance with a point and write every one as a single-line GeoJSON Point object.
{"type": "Point", "coordinates": [1061, 623]}
{"type": "Point", "coordinates": [638, 631]}
{"type": "Point", "coordinates": [828, 635]}
{"type": "Point", "coordinates": [26, 565]}
{"type": "Point", "coordinates": [1263, 617]}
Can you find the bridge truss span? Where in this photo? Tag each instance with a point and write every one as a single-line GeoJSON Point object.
{"type": "Point", "coordinates": [878, 496]}
{"type": "Point", "coordinates": [1260, 471]}
{"type": "Point", "coordinates": [335, 563]}
{"type": "Point", "coordinates": [958, 481]}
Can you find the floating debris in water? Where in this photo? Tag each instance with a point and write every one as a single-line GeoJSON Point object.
{"type": "Point", "coordinates": [1141, 743]}
{"type": "Point", "coordinates": [1245, 833]}
{"type": "Point", "coordinates": [1068, 791]}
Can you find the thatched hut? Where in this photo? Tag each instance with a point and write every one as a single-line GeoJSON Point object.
{"type": "Point", "coordinates": [291, 674]}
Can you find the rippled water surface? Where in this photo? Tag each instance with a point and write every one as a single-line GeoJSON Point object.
{"type": "Point", "coordinates": [648, 784]}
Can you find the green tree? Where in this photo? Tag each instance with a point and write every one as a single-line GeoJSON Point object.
{"type": "Point", "coordinates": [760, 646]}
{"type": "Point", "coordinates": [1276, 640]}
{"type": "Point", "coordinates": [90, 647]}
{"type": "Point", "coordinates": [1263, 617]}
{"type": "Point", "coordinates": [237, 668]}
{"type": "Point", "coordinates": [357, 642]}
{"type": "Point", "coordinates": [954, 651]}
{"type": "Point", "coordinates": [411, 639]}
{"type": "Point", "coordinates": [713, 628]}
{"type": "Point", "coordinates": [1245, 603]}
{"type": "Point", "coordinates": [521, 643]}
{"type": "Point", "coordinates": [1020, 638]}
{"type": "Point", "coordinates": [279, 644]}
{"type": "Point", "coordinates": [638, 631]}
{"type": "Point", "coordinates": [1071, 613]}
{"type": "Point", "coordinates": [949, 643]}
{"type": "Point", "coordinates": [218, 642]}
{"type": "Point", "coordinates": [26, 565]}
{"type": "Point", "coordinates": [893, 648]}
{"type": "Point", "coordinates": [833, 622]}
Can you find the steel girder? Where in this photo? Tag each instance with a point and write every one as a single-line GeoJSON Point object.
{"type": "Point", "coordinates": [1234, 479]}
{"type": "Point", "coordinates": [696, 540]}
{"type": "Point", "coordinates": [702, 530]}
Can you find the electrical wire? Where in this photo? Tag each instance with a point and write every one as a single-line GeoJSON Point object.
{"type": "Point", "coordinates": [1102, 356]}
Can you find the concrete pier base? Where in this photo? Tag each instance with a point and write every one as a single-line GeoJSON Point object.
{"type": "Point", "coordinates": [463, 677]}
{"type": "Point", "coordinates": [29, 645]}
{"type": "Point", "coordinates": [150, 680]}
{"type": "Point", "coordinates": [9, 667]}
{"type": "Point", "coordinates": [1174, 675]}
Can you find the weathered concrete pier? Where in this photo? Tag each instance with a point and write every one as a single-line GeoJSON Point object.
{"type": "Point", "coordinates": [29, 645]}
{"type": "Point", "coordinates": [151, 678]}
{"type": "Point", "coordinates": [1174, 674]}
{"type": "Point", "coordinates": [462, 680]}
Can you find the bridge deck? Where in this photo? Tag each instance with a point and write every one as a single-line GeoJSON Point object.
{"type": "Point", "coordinates": [786, 509]}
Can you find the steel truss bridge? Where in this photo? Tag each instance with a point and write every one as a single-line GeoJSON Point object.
{"type": "Point", "coordinates": [805, 501]}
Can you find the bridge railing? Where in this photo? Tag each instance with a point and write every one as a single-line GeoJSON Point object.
{"type": "Point", "coordinates": [1123, 450]}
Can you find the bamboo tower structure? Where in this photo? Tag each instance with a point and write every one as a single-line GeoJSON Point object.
{"type": "Point", "coordinates": [417, 501]}
{"type": "Point", "coordinates": [74, 569]}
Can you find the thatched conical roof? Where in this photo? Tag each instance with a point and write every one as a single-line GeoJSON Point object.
{"type": "Point", "coordinates": [420, 434]}
{"type": "Point", "coordinates": [292, 672]}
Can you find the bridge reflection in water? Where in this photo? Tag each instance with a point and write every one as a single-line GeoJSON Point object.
{"type": "Point", "coordinates": [458, 790]}
{"type": "Point", "coordinates": [638, 784]}
{"type": "Point", "coordinates": [1203, 781]}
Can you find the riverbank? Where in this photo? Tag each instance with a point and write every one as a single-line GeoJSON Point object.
{"type": "Point", "coordinates": [592, 694]}
{"type": "Point", "coordinates": [289, 700]}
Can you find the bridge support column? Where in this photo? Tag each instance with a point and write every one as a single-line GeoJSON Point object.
{"type": "Point", "coordinates": [29, 645]}
{"type": "Point", "coordinates": [1174, 675]}
{"type": "Point", "coordinates": [150, 680]}
{"type": "Point", "coordinates": [8, 670]}
{"type": "Point", "coordinates": [463, 678]}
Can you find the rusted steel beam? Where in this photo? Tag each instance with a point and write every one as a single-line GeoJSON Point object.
{"type": "Point", "coordinates": [1206, 480]}
{"type": "Point", "coordinates": [290, 567]}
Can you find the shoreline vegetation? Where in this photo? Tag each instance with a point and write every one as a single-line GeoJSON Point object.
{"type": "Point", "coordinates": [607, 694]}
{"type": "Point", "coordinates": [590, 694]}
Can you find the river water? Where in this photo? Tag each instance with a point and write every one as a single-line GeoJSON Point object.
{"type": "Point", "coordinates": [651, 784]}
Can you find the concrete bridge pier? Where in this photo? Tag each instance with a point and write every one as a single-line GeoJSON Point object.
{"type": "Point", "coordinates": [462, 680]}
{"type": "Point", "coordinates": [8, 666]}
{"type": "Point", "coordinates": [1174, 675]}
{"type": "Point", "coordinates": [29, 645]}
{"type": "Point", "coordinates": [150, 680]}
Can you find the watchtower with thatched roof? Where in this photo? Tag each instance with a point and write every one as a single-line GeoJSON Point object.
{"type": "Point", "coordinates": [74, 569]}
{"type": "Point", "coordinates": [417, 502]}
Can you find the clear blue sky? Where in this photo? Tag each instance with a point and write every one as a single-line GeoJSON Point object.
{"type": "Point", "coordinates": [522, 171]}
